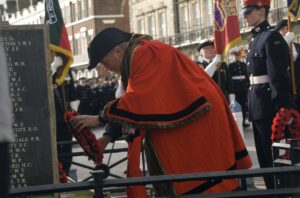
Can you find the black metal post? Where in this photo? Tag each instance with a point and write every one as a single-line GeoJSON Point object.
{"type": "Point", "coordinates": [102, 172]}
{"type": "Point", "coordinates": [98, 181]}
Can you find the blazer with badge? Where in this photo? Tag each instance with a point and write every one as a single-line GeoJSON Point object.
{"type": "Point", "coordinates": [221, 76]}
{"type": "Point", "coordinates": [267, 64]}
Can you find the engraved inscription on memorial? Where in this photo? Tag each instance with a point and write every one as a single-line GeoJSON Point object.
{"type": "Point", "coordinates": [31, 152]}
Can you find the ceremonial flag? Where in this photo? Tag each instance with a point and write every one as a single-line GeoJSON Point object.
{"type": "Point", "coordinates": [293, 8]}
{"type": "Point", "coordinates": [226, 26]}
{"type": "Point", "coordinates": [59, 41]}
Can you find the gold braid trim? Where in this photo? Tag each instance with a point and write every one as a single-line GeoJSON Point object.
{"type": "Point", "coordinates": [128, 54]}
{"type": "Point", "coordinates": [125, 73]}
{"type": "Point", "coordinates": [160, 124]}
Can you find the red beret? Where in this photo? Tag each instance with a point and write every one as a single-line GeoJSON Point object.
{"type": "Point", "coordinates": [249, 5]}
{"type": "Point", "coordinates": [257, 3]}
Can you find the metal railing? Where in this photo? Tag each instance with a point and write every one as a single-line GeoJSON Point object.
{"type": "Point", "coordinates": [101, 185]}
{"type": "Point", "coordinates": [92, 168]}
{"type": "Point", "coordinates": [199, 33]}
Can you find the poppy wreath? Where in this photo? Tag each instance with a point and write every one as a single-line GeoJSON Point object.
{"type": "Point", "coordinates": [63, 177]}
{"type": "Point", "coordinates": [92, 147]}
{"type": "Point", "coordinates": [286, 121]}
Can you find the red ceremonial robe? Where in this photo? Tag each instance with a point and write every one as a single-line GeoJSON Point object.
{"type": "Point", "coordinates": [184, 114]}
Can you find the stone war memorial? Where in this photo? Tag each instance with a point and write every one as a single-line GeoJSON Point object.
{"type": "Point", "coordinates": [33, 152]}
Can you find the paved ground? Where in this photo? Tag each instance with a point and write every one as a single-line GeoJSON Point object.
{"type": "Point", "coordinates": [82, 173]}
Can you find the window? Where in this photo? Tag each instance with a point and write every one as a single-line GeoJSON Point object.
{"type": "Point", "coordinates": [279, 4]}
{"type": "Point", "coordinates": [83, 37]}
{"type": "Point", "coordinates": [196, 15]}
{"type": "Point", "coordinates": [82, 8]}
{"type": "Point", "coordinates": [151, 25]}
{"type": "Point", "coordinates": [89, 7]}
{"type": "Point", "coordinates": [184, 18]}
{"type": "Point", "coordinates": [209, 13]}
{"type": "Point", "coordinates": [141, 26]}
{"type": "Point", "coordinates": [72, 9]}
{"type": "Point", "coordinates": [75, 47]}
{"type": "Point", "coordinates": [68, 14]}
{"type": "Point", "coordinates": [76, 17]}
{"type": "Point", "coordinates": [78, 46]}
{"type": "Point", "coordinates": [163, 24]}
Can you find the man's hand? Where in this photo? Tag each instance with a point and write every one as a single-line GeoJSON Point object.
{"type": "Point", "coordinates": [83, 121]}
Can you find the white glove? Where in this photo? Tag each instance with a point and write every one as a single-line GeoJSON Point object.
{"type": "Point", "coordinates": [120, 90]}
{"type": "Point", "coordinates": [57, 62]}
{"type": "Point", "coordinates": [211, 68]}
{"type": "Point", "coordinates": [231, 98]}
{"type": "Point", "coordinates": [289, 37]}
{"type": "Point", "coordinates": [295, 53]}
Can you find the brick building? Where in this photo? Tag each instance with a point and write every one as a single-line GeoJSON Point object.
{"type": "Point", "coordinates": [83, 19]}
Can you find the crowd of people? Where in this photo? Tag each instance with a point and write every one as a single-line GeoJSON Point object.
{"type": "Point", "coordinates": [94, 93]}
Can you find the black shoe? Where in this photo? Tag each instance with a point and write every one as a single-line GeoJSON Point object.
{"type": "Point", "coordinates": [246, 125]}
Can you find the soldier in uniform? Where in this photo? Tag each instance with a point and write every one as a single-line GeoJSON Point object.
{"type": "Point", "coordinates": [282, 27]}
{"type": "Point", "coordinates": [208, 52]}
{"type": "Point", "coordinates": [239, 83]}
{"type": "Point", "coordinates": [270, 90]}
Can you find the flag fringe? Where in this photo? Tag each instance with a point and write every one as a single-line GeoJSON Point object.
{"type": "Point", "coordinates": [67, 53]}
{"type": "Point", "coordinates": [230, 45]}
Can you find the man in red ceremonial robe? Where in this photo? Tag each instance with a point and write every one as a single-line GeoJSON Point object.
{"type": "Point", "coordinates": [174, 105]}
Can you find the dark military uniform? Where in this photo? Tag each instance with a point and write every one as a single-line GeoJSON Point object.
{"type": "Point", "coordinates": [221, 76]}
{"type": "Point", "coordinates": [239, 84]}
{"type": "Point", "coordinates": [267, 64]}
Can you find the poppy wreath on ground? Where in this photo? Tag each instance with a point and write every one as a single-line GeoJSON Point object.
{"type": "Point", "coordinates": [286, 119]}
{"type": "Point", "coordinates": [92, 147]}
{"type": "Point", "coordinates": [63, 177]}
{"type": "Point", "coordinates": [286, 123]}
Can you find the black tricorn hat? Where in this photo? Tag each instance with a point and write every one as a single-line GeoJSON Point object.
{"type": "Point", "coordinates": [103, 42]}
{"type": "Point", "coordinates": [280, 24]}
{"type": "Point", "coordinates": [205, 42]}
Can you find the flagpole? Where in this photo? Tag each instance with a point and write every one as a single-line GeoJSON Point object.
{"type": "Point", "coordinates": [292, 66]}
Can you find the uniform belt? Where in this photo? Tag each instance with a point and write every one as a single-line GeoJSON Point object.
{"type": "Point", "coordinates": [258, 79]}
{"type": "Point", "coordinates": [241, 77]}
